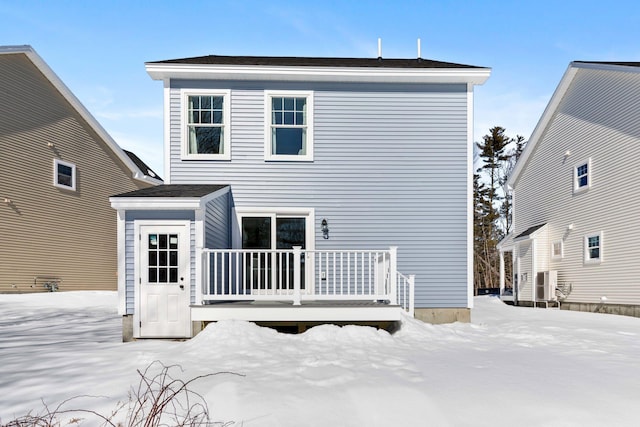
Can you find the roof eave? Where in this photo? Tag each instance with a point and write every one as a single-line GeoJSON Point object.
{"type": "Point", "coordinates": [542, 124]}
{"type": "Point", "coordinates": [57, 83]}
{"type": "Point", "coordinates": [476, 76]}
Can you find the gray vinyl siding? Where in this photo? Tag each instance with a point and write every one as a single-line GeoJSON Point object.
{"type": "Point", "coordinates": [597, 119]}
{"type": "Point", "coordinates": [47, 230]}
{"type": "Point", "coordinates": [390, 168]}
{"type": "Point", "coordinates": [130, 238]}
{"type": "Point", "coordinates": [217, 223]}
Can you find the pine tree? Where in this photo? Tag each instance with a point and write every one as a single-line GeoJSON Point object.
{"type": "Point", "coordinates": [492, 203]}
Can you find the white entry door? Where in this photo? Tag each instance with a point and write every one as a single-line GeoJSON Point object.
{"type": "Point", "coordinates": [163, 257]}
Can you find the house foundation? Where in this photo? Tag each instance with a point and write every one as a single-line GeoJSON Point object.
{"type": "Point", "coordinates": [619, 309]}
{"type": "Point", "coordinates": [127, 328]}
{"type": "Point", "coordinates": [438, 316]}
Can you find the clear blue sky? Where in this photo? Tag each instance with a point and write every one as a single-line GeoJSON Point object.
{"type": "Point", "coordinates": [98, 48]}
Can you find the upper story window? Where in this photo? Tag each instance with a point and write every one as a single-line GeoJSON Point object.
{"type": "Point", "coordinates": [64, 174]}
{"type": "Point", "coordinates": [289, 126]}
{"type": "Point", "coordinates": [593, 248]}
{"type": "Point", "coordinates": [206, 132]}
{"type": "Point", "coordinates": [582, 176]}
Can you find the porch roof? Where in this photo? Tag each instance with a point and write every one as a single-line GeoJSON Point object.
{"type": "Point", "coordinates": [529, 232]}
{"type": "Point", "coordinates": [169, 196]}
{"type": "Point", "coordinates": [175, 190]}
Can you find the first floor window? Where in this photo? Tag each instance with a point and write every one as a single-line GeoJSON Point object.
{"type": "Point", "coordinates": [207, 126]}
{"type": "Point", "coordinates": [289, 126]}
{"type": "Point", "coordinates": [582, 176]}
{"type": "Point", "coordinates": [64, 174]}
{"type": "Point", "coordinates": [593, 248]}
{"type": "Point", "coordinates": [556, 249]}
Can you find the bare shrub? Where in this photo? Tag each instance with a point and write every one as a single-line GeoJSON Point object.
{"type": "Point", "coordinates": [159, 400]}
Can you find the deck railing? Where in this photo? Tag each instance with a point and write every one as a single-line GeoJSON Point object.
{"type": "Point", "coordinates": [298, 274]}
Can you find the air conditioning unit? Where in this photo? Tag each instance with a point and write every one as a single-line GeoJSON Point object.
{"type": "Point", "coordinates": [546, 285]}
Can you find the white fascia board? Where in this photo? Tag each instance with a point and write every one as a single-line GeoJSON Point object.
{"type": "Point", "coordinates": [606, 67]}
{"type": "Point", "coordinates": [543, 123]}
{"type": "Point", "coordinates": [155, 203]}
{"type": "Point", "coordinates": [506, 242]}
{"type": "Point", "coordinates": [31, 54]}
{"type": "Point", "coordinates": [476, 76]}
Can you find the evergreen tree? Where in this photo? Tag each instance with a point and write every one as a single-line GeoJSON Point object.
{"type": "Point", "coordinates": [492, 203]}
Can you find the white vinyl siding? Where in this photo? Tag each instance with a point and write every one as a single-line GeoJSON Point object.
{"type": "Point", "coordinates": [390, 168]}
{"type": "Point", "coordinates": [596, 120]}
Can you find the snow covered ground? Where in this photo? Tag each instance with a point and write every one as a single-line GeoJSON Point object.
{"type": "Point", "coordinates": [511, 366]}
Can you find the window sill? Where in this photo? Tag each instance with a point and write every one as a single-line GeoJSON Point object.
{"type": "Point", "coordinates": [205, 157]}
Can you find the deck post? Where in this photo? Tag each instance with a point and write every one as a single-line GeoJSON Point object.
{"type": "Point", "coordinates": [501, 273]}
{"type": "Point", "coordinates": [412, 287]}
{"type": "Point", "coordinates": [203, 276]}
{"type": "Point", "coordinates": [393, 276]}
{"type": "Point", "coordinates": [297, 250]}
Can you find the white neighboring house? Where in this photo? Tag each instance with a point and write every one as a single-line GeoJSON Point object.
{"type": "Point", "coordinates": [575, 211]}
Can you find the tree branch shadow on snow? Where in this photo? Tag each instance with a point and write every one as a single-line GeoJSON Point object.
{"type": "Point", "coordinates": [159, 400]}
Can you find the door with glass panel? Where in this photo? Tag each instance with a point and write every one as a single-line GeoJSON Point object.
{"type": "Point", "coordinates": [163, 257]}
{"type": "Point", "coordinates": [266, 270]}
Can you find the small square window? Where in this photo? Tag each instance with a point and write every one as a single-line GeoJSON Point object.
{"type": "Point", "coordinates": [64, 174]}
{"type": "Point", "coordinates": [289, 126]}
{"type": "Point", "coordinates": [582, 176]}
{"type": "Point", "coordinates": [593, 248]}
{"type": "Point", "coordinates": [557, 250]}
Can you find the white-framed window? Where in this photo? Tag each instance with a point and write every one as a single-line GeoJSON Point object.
{"type": "Point", "coordinates": [64, 174]}
{"type": "Point", "coordinates": [582, 176]}
{"type": "Point", "coordinates": [557, 249]}
{"type": "Point", "coordinates": [288, 125]}
{"type": "Point", "coordinates": [206, 133]}
{"type": "Point", "coordinates": [593, 248]}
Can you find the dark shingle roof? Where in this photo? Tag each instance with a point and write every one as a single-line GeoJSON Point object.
{"type": "Point", "coordinates": [295, 61]}
{"type": "Point", "coordinates": [529, 231]}
{"type": "Point", "coordinates": [142, 165]}
{"type": "Point", "coordinates": [174, 190]}
{"type": "Point", "coordinates": [624, 64]}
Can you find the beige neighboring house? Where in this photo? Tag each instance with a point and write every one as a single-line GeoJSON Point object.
{"type": "Point", "coordinates": [59, 167]}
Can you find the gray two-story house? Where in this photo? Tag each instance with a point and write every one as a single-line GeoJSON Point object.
{"type": "Point", "coordinates": [303, 190]}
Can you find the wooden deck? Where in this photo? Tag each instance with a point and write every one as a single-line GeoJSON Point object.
{"type": "Point", "coordinates": [308, 311]}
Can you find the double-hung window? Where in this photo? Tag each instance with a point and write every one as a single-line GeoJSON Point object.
{"type": "Point", "coordinates": [593, 248]}
{"type": "Point", "coordinates": [289, 126]}
{"type": "Point", "coordinates": [206, 133]}
{"type": "Point", "coordinates": [64, 174]}
{"type": "Point", "coordinates": [557, 250]}
{"type": "Point", "coordinates": [582, 176]}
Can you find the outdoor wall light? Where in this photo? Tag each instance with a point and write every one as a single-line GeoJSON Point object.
{"type": "Point", "coordinates": [49, 144]}
{"type": "Point", "coordinates": [7, 200]}
{"type": "Point", "coordinates": [325, 229]}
